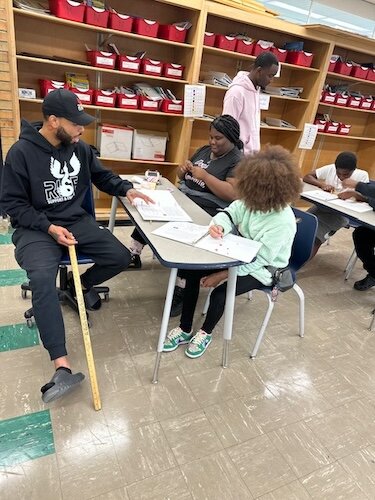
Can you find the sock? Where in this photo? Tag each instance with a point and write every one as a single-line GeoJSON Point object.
{"type": "Point", "coordinates": [180, 282]}
{"type": "Point", "coordinates": [51, 384]}
{"type": "Point", "coordinates": [135, 247]}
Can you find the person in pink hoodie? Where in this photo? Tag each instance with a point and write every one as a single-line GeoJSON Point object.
{"type": "Point", "coordinates": [242, 98]}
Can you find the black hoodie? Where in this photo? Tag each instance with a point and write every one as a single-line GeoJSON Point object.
{"type": "Point", "coordinates": [44, 185]}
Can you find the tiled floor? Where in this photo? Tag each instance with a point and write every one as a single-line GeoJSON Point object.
{"type": "Point", "coordinates": [295, 423]}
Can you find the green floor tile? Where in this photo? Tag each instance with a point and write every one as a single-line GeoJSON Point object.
{"type": "Point", "coordinates": [17, 337]}
{"type": "Point", "coordinates": [12, 277]}
{"type": "Point", "coordinates": [25, 438]}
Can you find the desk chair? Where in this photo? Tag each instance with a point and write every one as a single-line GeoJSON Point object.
{"type": "Point", "coordinates": [301, 251]}
{"type": "Point", "coordinates": [65, 295]}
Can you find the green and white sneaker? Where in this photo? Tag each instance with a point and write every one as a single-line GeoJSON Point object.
{"type": "Point", "coordinates": [176, 337]}
{"type": "Point", "coordinates": [198, 344]}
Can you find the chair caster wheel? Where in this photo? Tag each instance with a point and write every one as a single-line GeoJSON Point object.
{"type": "Point", "coordinates": [29, 322]}
{"type": "Point", "coordinates": [24, 294]}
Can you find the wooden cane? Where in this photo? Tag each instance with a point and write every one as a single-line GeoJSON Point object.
{"type": "Point", "coordinates": [85, 329]}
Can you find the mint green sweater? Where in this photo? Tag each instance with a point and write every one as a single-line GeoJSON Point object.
{"type": "Point", "coordinates": [275, 230]}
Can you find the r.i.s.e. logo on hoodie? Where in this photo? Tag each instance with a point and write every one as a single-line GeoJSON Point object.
{"type": "Point", "coordinates": [66, 175]}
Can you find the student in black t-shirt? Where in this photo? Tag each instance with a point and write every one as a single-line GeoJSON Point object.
{"type": "Point", "coordinates": [207, 179]}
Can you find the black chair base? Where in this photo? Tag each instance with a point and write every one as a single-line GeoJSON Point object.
{"type": "Point", "coordinates": [65, 297]}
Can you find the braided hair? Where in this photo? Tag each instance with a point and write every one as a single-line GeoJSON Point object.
{"type": "Point", "coordinates": [229, 127]}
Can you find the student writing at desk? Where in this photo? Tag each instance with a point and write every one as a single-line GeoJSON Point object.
{"type": "Point", "coordinates": [330, 178]}
{"type": "Point", "coordinates": [266, 185]}
{"type": "Point", "coordinates": [207, 179]}
{"type": "Point", "coordinates": [364, 237]}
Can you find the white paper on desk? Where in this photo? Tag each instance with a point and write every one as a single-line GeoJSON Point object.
{"type": "Point", "coordinates": [356, 206]}
{"type": "Point", "coordinates": [309, 134]}
{"type": "Point", "coordinates": [235, 247]}
{"type": "Point", "coordinates": [165, 207]}
{"type": "Point", "coordinates": [320, 195]}
{"type": "Point", "coordinates": [184, 232]}
{"type": "Point", "coordinates": [194, 100]}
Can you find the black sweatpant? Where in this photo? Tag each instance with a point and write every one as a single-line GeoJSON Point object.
{"type": "Point", "coordinates": [364, 243]}
{"type": "Point", "coordinates": [217, 299]}
{"type": "Point", "coordinates": [39, 254]}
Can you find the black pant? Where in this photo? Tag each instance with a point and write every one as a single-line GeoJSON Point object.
{"type": "Point", "coordinates": [364, 243]}
{"type": "Point", "coordinates": [39, 254]}
{"type": "Point", "coordinates": [217, 299]}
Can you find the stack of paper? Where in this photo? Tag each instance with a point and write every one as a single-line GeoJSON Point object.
{"type": "Point", "coordinates": [319, 194]}
{"type": "Point", "coordinates": [217, 78]}
{"type": "Point", "coordinates": [165, 207]}
{"type": "Point", "coordinates": [284, 91]}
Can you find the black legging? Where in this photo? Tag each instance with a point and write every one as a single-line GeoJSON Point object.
{"type": "Point", "coordinates": [364, 243]}
{"type": "Point", "coordinates": [217, 300]}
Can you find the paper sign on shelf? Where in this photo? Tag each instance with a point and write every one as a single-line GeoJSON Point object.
{"type": "Point", "coordinates": [278, 72]}
{"type": "Point", "coordinates": [194, 100]}
{"type": "Point", "coordinates": [264, 101]}
{"type": "Point", "coordinates": [308, 136]}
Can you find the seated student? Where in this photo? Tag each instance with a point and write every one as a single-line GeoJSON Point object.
{"type": "Point", "coordinates": [267, 183]}
{"type": "Point", "coordinates": [329, 178]}
{"type": "Point", "coordinates": [207, 179]}
{"type": "Point", "coordinates": [45, 179]}
{"type": "Point", "coordinates": [364, 237]}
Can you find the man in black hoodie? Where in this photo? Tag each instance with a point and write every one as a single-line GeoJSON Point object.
{"type": "Point", "coordinates": [46, 177]}
{"type": "Point", "coordinates": [364, 237]}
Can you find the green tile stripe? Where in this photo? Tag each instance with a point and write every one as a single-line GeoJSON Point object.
{"type": "Point", "coordinates": [17, 337]}
{"type": "Point", "coordinates": [25, 438]}
{"type": "Point", "coordinates": [12, 277]}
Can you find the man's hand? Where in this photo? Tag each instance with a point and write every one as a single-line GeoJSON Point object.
{"type": "Point", "coordinates": [349, 183]}
{"type": "Point", "coordinates": [345, 195]}
{"type": "Point", "coordinates": [214, 279]}
{"type": "Point", "coordinates": [199, 173]}
{"type": "Point", "coordinates": [328, 188]}
{"type": "Point", "coordinates": [62, 235]}
{"type": "Point", "coordinates": [216, 231]}
{"type": "Point", "coordinates": [131, 194]}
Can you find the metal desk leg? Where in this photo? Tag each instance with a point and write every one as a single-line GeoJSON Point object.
{"type": "Point", "coordinates": [371, 327]}
{"type": "Point", "coordinates": [164, 322]}
{"type": "Point", "coordinates": [228, 313]}
{"type": "Point", "coordinates": [112, 217]}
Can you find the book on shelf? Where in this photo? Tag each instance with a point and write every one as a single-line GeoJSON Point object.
{"type": "Point", "coordinates": [165, 207]}
{"type": "Point", "coordinates": [232, 246]}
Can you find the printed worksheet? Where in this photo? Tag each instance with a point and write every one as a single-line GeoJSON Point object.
{"type": "Point", "coordinates": [235, 247]}
{"type": "Point", "coordinates": [185, 232]}
{"type": "Point", "coordinates": [320, 195]}
{"type": "Point", "coordinates": [165, 207]}
{"type": "Point", "coordinates": [351, 204]}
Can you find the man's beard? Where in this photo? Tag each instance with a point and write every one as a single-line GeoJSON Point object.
{"type": "Point", "coordinates": [64, 138]}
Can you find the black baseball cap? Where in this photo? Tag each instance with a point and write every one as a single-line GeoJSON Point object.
{"type": "Point", "coordinates": [65, 104]}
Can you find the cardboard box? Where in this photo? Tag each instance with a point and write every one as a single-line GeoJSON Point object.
{"type": "Point", "coordinates": [149, 145]}
{"type": "Point", "coordinates": [115, 141]}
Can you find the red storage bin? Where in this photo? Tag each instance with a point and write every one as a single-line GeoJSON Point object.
{"type": "Point", "coordinates": [371, 75]}
{"type": "Point", "coordinates": [172, 106]}
{"type": "Point", "coordinates": [300, 57]}
{"type": "Point", "coordinates": [127, 101]}
{"type": "Point", "coordinates": [321, 124]}
{"type": "Point", "coordinates": [209, 39]}
{"type": "Point", "coordinates": [354, 102]}
{"type": "Point", "coordinates": [332, 64]}
{"type": "Point", "coordinates": [341, 99]}
{"type": "Point", "coordinates": [145, 27]}
{"type": "Point", "coordinates": [172, 32]}
{"type": "Point", "coordinates": [106, 98]}
{"type": "Point", "coordinates": [151, 67]}
{"type": "Point", "coordinates": [262, 46]}
{"type": "Point", "coordinates": [281, 54]}
{"type": "Point", "coordinates": [102, 59]}
{"type": "Point", "coordinates": [171, 70]}
{"type": "Point", "coordinates": [120, 22]}
{"type": "Point", "coordinates": [344, 68]}
{"type": "Point", "coordinates": [96, 16]}
{"type": "Point", "coordinates": [331, 127]}
{"type": "Point", "coordinates": [84, 95]}
{"type": "Point", "coordinates": [366, 103]}
{"type": "Point", "coordinates": [359, 72]}
{"type": "Point", "coordinates": [148, 104]}
{"type": "Point", "coordinates": [373, 105]}
{"type": "Point", "coordinates": [130, 64]}
{"type": "Point", "coordinates": [225, 42]}
{"type": "Point", "coordinates": [328, 97]}
{"type": "Point", "coordinates": [47, 86]}
{"type": "Point", "coordinates": [344, 129]}
{"type": "Point", "coordinates": [67, 9]}
{"type": "Point", "coordinates": [245, 47]}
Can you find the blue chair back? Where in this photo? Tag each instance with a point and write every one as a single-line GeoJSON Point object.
{"type": "Point", "coordinates": [304, 239]}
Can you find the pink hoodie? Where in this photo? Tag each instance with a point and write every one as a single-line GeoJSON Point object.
{"type": "Point", "coordinates": [242, 102]}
